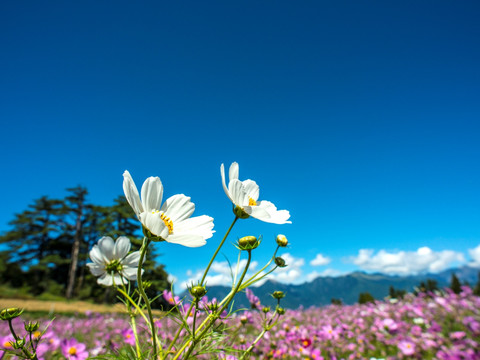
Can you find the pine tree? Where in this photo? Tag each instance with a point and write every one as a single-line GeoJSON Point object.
{"type": "Point", "coordinates": [365, 297]}
{"type": "Point", "coordinates": [455, 284]}
{"type": "Point", "coordinates": [76, 206]}
{"type": "Point", "coordinates": [29, 242]}
{"type": "Point", "coordinates": [476, 289]}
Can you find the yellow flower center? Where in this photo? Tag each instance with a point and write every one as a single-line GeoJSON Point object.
{"type": "Point", "coordinates": [168, 223]}
{"type": "Point", "coordinates": [251, 202]}
{"type": "Point", "coordinates": [72, 350]}
{"type": "Point", "coordinates": [37, 334]}
{"type": "Point", "coordinates": [166, 220]}
{"type": "Point", "coordinates": [7, 344]}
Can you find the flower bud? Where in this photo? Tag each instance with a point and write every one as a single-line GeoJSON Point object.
{"type": "Point", "coordinates": [240, 213]}
{"type": "Point", "coordinates": [243, 319]}
{"type": "Point", "coordinates": [278, 295]}
{"type": "Point", "coordinates": [280, 262]}
{"type": "Point", "coordinates": [266, 309]}
{"type": "Point", "coordinates": [19, 344]}
{"type": "Point", "coordinates": [213, 306]}
{"type": "Point", "coordinates": [10, 313]}
{"type": "Point", "coordinates": [198, 291]}
{"type": "Point", "coordinates": [280, 311]}
{"type": "Point", "coordinates": [31, 326]}
{"type": "Point", "coordinates": [147, 284]}
{"type": "Point", "coordinates": [282, 240]}
{"type": "Point", "coordinates": [248, 243]}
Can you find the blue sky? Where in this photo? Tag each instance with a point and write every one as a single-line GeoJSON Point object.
{"type": "Point", "coordinates": [361, 119]}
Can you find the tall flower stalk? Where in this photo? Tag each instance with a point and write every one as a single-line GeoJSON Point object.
{"type": "Point", "coordinates": [172, 221]}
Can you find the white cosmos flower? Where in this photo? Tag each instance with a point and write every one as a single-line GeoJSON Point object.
{"type": "Point", "coordinates": [171, 221]}
{"type": "Point", "coordinates": [244, 194]}
{"type": "Point", "coordinates": [111, 263]}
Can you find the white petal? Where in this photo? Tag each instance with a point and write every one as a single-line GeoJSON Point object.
{"type": "Point", "coordinates": [258, 213]}
{"type": "Point", "coordinates": [178, 207]}
{"type": "Point", "coordinates": [188, 240]}
{"type": "Point", "coordinates": [274, 216]}
{"type": "Point", "coordinates": [106, 246]}
{"type": "Point", "coordinates": [233, 171]}
{"type": "Point", "coordinates": [118, 279]}
{"type": "Point", "coordinates": [105, 279]}
{"type": "Point", "coordinates": [130, 273]}
{"type": "Point", "coordinates": [199, 225]}
{"type": "Point", "coordinates": [122, 247]}
{"type": "Point", "coordinates": [222, 173]}
{"type": "Point", "coordinates": [132, 259]}
{"type": "Point", "coordinates": [95, 269]}
{"type": "Point", "coordinates": [131, 193]}
{"type": "Point", "coordinates": [152, 193]}
{"type": "Point", "coordinates": [237, 191]}
{"type": "Point", "coordinates": [251, 189]}
{"type": "Point", "coordinates": [97, 256]}
{"type": "Point", "coordinates": [154, 223]}
{"type": "Point", "coordinates": [280, 217]}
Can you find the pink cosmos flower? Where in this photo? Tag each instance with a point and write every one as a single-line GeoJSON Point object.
{"type": "Point", "coordinates": [168, 296]}
{"type": "Point", "coordinates": [254, 300]}
{"type": "Point", "coordinates": [406, 347]}
{"type": "Point", "coordinates": [128, 336]}
{"type": "Point", "coordinates": [5, 342]}
{"type": "Point", "coordinates": [73, 350]}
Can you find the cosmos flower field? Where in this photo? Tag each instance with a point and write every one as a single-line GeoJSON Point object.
{"type": "Point", "coordinates": [434, 326]}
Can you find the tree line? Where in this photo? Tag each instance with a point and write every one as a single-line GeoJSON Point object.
{"type": "Point", "coordinates": [46, 249]}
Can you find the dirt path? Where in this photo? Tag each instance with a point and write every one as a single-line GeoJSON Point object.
{"type": "Point", "coordinates": [60, 306]}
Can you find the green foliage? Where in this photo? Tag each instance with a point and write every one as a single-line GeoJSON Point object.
{"type": "Point", "coordinates": [429, 286]}
{"type": "Point", "coordinates": [39, 248]}
{"type": "Point", "coordinates": [335, 301]}
{"type": "Point", "coordinates": [476, 289]}
{"type": "Point", "coordinates": [365, 298]}
{"type": "Point", "coordinates": [396, 293]}
{"type": "Point", "coordinates": [455, 284]}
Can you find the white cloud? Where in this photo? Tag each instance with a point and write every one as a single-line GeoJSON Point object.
{"type": "Point", "coordinates": [292, 273]}
{"type": "Point", "coordinates": [171, 278]}
{"type": "Point", "coordinates": [475, 255]}
{"type": "Point", "coordinates": [320, 260]}
{"type": "Point", "coordinates": [407, 262]}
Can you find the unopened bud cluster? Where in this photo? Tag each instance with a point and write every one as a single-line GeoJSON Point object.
{"type": "Point", "coordinates": [282, 240]}
{"type": "Point", "coordinates": [248, 243]}
{"type": "Point", "coordinates": [10, 313]}
{"type": "Point", "coordinates": [280, 262]}
{"type": "Point", "coordinates": [278, 295]}
{"type": "Point", "coordinates": [31, 326]}
{"type": "Point", "coordinates": [198, 291]}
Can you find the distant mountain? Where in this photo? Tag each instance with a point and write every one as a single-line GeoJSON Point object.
{"type": "Point", "coordinates": [321, 290]}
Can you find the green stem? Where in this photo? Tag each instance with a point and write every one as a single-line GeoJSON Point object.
{"type": "Point", "coordinates": [267, 327]}
{"type": "Point", "coordinates": [141, 290]}
{"type": "Point", "coordinates": [214, 317]}
{"type": "Point", "coordinates": [11, 330]}
{"type": "Point", "coordinates": [137, 307]}
{"type": "Point", "coordinates": [216, 251]}
{"type": "Point", "coordinates": [252, 279]}
{"type": "Point", "coordinates": [175, 338]}
{"type": "Point", "coordinates": [134, 329]}
{"type": "Point", "coordinates": [25, 351]}
{"type": "Point", "coordinates": [250, 348]}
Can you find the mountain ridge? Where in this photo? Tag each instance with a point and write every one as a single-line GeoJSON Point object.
{"type": "Point", "coordinates": [347, 288]}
